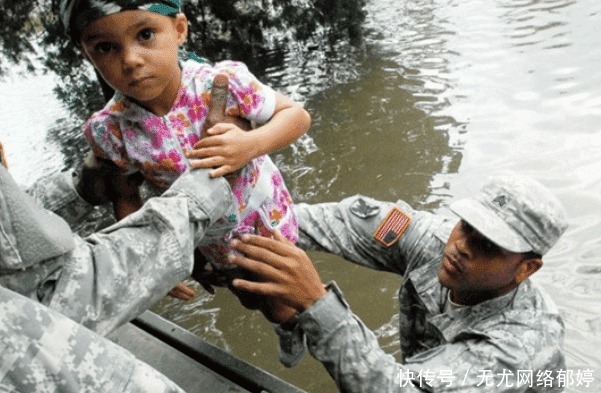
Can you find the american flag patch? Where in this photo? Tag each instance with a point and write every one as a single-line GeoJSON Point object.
{"type": "Point", "coordinates": [392, 227]}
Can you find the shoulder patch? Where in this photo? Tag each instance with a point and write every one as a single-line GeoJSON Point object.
{"type": "Point", "coordinates": [392, 227]}
{"type": "Point", "coordinates": [363, 209]}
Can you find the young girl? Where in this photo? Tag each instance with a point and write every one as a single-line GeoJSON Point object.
{"type": "Point", "coordinates": [155, 120]}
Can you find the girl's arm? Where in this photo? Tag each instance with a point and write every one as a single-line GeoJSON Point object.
{"type": "Point", "coordinates": [227, 148]}
{"type": "Point", "coordinates": [124, 206]}
{"type": "Point", "coordinates": [289, 122]}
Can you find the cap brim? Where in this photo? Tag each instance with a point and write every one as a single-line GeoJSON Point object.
{"type": "Point", "coordinates": [490, 225]}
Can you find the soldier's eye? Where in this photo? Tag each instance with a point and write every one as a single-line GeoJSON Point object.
{"type": "Point", "coordinates": [478, 242]}
{"type": "Point", "coordinates": [488, 246]}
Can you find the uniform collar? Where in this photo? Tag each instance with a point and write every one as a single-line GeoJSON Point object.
{"type": "Point", "coordinates": [466, 320]}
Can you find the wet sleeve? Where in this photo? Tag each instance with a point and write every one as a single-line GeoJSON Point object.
{"type": "Point", "coordinates": [291, 345]}
{"type": "Point", "coordinates": [249, 98]}
{"type": "Point", "coordinates": [44, 351]}
{"type": "Point", "coordinates": [116, 274]}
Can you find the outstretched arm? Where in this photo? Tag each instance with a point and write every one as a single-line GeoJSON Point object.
{"type": "Point", "coordinates": [346, 347]}
{"type": "Point", "coordinates": [114, 275]}
{"type": "Point", "coordinates": [347, 229]}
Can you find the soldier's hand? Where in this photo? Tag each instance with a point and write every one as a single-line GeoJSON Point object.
{"type": "Point", "coordinates": [283, 271]}
{"type": "Point", "coordinates": [277, 312]}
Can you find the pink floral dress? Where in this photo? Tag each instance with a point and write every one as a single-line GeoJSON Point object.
{"type": "Point", "coordinates": [138, 140]}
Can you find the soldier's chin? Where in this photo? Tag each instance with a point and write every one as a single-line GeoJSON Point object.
{"type": "Point", "coordinates": [445, 278]}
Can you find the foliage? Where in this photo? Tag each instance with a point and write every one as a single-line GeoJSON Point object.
{"type": "Point", "coordinates": [15, 48]}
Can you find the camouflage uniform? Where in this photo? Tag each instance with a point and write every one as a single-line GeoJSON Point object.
{"type": "Point", "coordinates": [455, 350]}
{"type": "Point", "coordinates": [44, 351]}
{"type": "Point", "coordinates": [99, 282]}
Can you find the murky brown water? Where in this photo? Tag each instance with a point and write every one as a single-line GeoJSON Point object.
{"type": "Point", "coordinates": [441, 94]}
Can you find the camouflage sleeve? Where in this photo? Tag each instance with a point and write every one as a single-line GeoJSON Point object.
{"type": "Point", "coordinates": [349, 229]}
{"type": "Point", "coordinates": [57, 194]}
{"type": "Point", "coordinates": [114, 275]}
{"type": "Point", "coordinates": [43, 351]}
{"type": "Point", "coordinates": [348, 349]}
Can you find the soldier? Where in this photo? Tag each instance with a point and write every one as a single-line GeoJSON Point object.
{"type": "Point", "coordinates": [60, 293]}
{"type": "Point", "coordinates": [471, 319]}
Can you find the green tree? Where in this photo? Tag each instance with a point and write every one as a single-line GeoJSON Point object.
{"type": "Point", "coordinates": [17, 28]}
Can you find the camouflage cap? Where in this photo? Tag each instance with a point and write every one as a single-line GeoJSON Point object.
{"type": "Point", "coordinates": [516, 213]}
{"type": "Point", "coordinates": [76, 15]}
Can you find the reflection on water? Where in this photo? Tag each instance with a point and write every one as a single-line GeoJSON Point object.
{"type": "Point", "coordinates": [28, 108]}
{"type": "Point", "coordinates": [372, 139]}
{"type": "Point", "coordinates": [440, 94]}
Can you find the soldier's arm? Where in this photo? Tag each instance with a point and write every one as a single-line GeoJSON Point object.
{"type": "Point", "coordinates": [63, 356]}
{"type": "Point", "coordinates": [357, 230]}
{"type": "Point", "coordinates": [57, 193]}
{"type": "Point", "coordinates": [116, 274]}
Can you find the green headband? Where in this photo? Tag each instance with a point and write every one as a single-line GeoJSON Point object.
{"type": "Point", "coordinates": [76, 15]}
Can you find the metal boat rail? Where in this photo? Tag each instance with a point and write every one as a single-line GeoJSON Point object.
{"type": "Point", "coordinates": [193, 363]}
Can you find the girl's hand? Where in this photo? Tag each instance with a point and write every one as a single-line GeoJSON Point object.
{"type": "Point", "coordinates": [224, 147]}
{"type": "Point", "coordinates": [182, 292]}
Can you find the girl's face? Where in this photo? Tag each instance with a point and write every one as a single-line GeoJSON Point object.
{"type": "Point", "coordinates": [136, 53]}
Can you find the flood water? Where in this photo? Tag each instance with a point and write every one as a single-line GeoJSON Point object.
{"type": "Point", "coordinates": [440, 94]}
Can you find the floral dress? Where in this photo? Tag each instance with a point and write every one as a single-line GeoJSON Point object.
{"type": "Point", "coordinates": [139, 141]}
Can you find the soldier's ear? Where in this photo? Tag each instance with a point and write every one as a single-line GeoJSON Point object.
{"type": "Point", "coordinates": [2, 157]}
{"type": "Point", "coordinates": [527, 267]}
